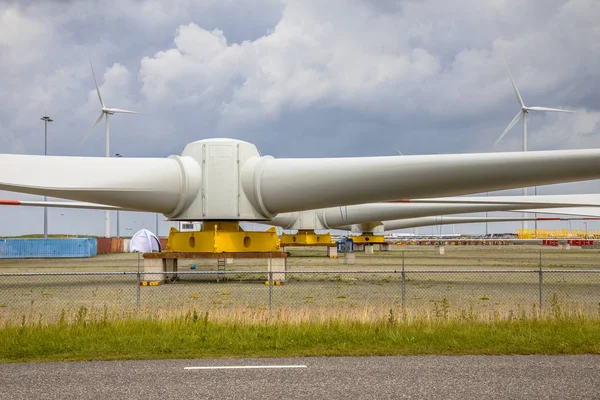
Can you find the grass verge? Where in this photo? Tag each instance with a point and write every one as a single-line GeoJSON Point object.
{"type": "Point", "coordinates": [196, 336]}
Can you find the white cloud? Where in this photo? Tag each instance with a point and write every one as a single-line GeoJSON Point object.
{"type": "Point", "coordinates": [299, 77]}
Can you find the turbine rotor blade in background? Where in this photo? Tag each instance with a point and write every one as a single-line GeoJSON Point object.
{"type": "Point", "coordinates": [509, 127]}
{"type": "Point", "coordinates": [118, 110]}
{"type": "Point", "coordinates": [92, 128]}
{"type": "Point", "coordinates": [514, 85]}
{"type": "Point", "coordinates": [96, 83]}
{"type": "Point", "coordinates": [550, 109]}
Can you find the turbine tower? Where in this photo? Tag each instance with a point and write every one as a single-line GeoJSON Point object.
{"type": "Point", "coordinates": [523, 113]}
{"type": "Point", "coordinates": [105, 111]}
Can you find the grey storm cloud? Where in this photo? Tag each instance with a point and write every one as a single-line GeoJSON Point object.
{"type": "Point", "coordinates": [296, 77]}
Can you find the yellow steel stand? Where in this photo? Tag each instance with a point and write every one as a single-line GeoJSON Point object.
{"type": "Point", "coordinates": [367, 238]}
{"type": "Point", "coordinates": [306, 237]}
{"type": "Point", "coordinates": [223, 237]}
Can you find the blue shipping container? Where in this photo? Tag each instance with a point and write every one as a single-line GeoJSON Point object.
{"type": "Point", "coordinates": [48, 248]}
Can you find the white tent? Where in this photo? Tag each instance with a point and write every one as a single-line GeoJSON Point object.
{"type": "Point", "coordinates": [144, 241]}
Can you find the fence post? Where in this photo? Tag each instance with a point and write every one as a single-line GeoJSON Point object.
{"type": "Point", "coordinates": [403, 282]}
{"type": "Point", "coordinates": [541, 281]}
{"type": "Point", "coordinates": [139, 284]}
{"type": "Point", "coordinates": [270, 283]}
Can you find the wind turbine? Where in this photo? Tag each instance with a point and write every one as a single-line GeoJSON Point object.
{"type": "Point", "coordinates": [105, 112]}
{"type": "Point", "coordinates": [523, 113]}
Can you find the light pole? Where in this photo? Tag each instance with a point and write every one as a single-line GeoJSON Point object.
{"type": "Point", "coordinates": [118, 235]}
{"type": "Point", "coordinates": [46, 119]}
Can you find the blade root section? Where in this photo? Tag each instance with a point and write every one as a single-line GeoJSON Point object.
{"type": "Point", "coordinates": [144, 184]}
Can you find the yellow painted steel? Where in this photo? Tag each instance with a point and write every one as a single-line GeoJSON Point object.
{"type": "Point", "coordinates": [557, 234]}
{"type": "Point", "coordinates": [367, 238]}
{"type": "Point", "coordinates": [222, 237]}
{"type": "Point", "coordinates": [306, 237]}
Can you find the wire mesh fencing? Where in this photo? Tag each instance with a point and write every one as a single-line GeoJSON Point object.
{"type": "Point", "coordinates": [50, 297]}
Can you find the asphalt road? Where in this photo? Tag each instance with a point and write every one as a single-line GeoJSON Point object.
{"type": "Point", "coordinates": [457, 377]}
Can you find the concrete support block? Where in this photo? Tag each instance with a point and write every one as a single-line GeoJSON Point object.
{"type": "Point", "coordinates": [369, 249]}
{"type": "Point", "coordinates": [440, 250]}
{"type": "Point", "coordinates": [150, 265]}
{"type": "Point", "coordinates": [278, 267]}
{"type": "Point", "coordinates": [359, 247]}
{"type": "Point", "coordinates": [170, 266]}
{"type": "Point", "coordinates": [349, 258]}
{"type": "Point", "coordinates": [332, 252]}
{"type": "Point", "coordinates": [229, 261]}
{"type": "Point", "coordinates": [376, 246]}
{"type": "Point", "coordinates": [566, 246]}
{"type": "Point", "coordinates": [385, 247]}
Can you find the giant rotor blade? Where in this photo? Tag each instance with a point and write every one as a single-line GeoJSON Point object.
{"type": "Point", "coordinates": [96, 83]}
{"type": "Point", "coordinates": [368, 213]}
{"type": "Point", "coordinates": [91, 129]}
{"type": "Point", "coordinates": [285, 185]}
{"type": "Point", "coordinates": [333, 217]}
{"type": "Point", "coordinates": [581, 211]}
{"type": "Point", "coordinates": [239, 184]}
{"type": "Point", "coordinates": [450, 220]}
{"type": "Point", "coordinates": [143, 184]}
{"type": "Point", "coordinates": [119, 110]}
{"type": "Point", "coordinates": [535, 108]}
{"type": "Point", "coordinates": [514, 85]}
{"type": "Point", "coordinates": [509, 127]}
{"type": "Point", "coordinates": [560, 200]}
{"type": "Point", "coordinates": [61, 204]}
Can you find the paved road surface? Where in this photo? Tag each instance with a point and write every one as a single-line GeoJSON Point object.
{"type": "Point", "coordinates": [475, 377]}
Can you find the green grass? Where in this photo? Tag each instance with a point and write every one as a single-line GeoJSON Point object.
{"type": "Point", "coordinates": [195, 335]}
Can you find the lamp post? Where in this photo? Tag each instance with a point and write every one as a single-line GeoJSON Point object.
{"type": "Point", "coordinates": [118, 234]}
{"type": "Point", "coordinates": [46, 119]}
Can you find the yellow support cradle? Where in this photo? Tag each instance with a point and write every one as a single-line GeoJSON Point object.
{"type": "Point", "coordinates": [223, 237]}
{"type": "Point", "coordinates": [306, 237]}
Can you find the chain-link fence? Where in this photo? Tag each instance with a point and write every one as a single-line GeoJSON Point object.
{"type": "Point", "coordinates": [302, 294]}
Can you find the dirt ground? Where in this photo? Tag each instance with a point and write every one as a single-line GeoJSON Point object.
{"type": "Point", "coordinates": [312, 258]}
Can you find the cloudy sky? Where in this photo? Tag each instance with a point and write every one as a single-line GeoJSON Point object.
{"type": "Point", "coordinates": [306, 78]}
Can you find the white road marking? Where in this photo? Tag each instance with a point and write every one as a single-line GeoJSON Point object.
{"type": "Point", "coordinates": [248, 367]}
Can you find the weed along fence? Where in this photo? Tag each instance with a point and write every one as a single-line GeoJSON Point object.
{"type": "Point", "coordinates": [365, 294]}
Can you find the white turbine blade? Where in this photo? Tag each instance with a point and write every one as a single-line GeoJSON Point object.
{"type": "Point", "coordinates": [514, 85]}
{"type": "Point", "coordinates": [118, 110]}
{"type": "Point", "coordinates": [61, 204]}
{"type": "Point", "coordinates": [389, 178]}
{"type": "Point", "coordinates": [399, 152]}
{"type": "Point", "coordinates": [427, 221]}
{"type": "Point", "coordinates": [385, 211]}
{"type": "Point", "coordinates": [91, 129]}
{"type": "Point", "coordinates": [550, 109]}
{"type": "Point", "coordinates": [584, 211]}
{"type": "Point", "coordinates": [151, 184]}
{"type": "Point", "coordinates": [509, 127]}
{"type": "Point", "coordinates": [560, 200]}
{"type": "Point", "coordinates": [96, 83]}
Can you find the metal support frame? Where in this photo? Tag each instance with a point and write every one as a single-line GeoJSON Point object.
{"type": "Point", "coordinates": [403, 284]}
{"type": "Point", "coordinates": [368, 238]}
{"type": "Point", "coordinates": [223, 237]}
{"type": "Point", "coordinates": [306, 237]}
{"type": "Point", "coordinates": [541, 282]}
